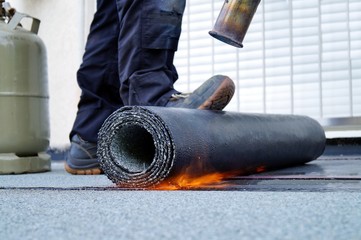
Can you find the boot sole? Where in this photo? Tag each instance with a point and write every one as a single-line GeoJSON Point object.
{"type": "Point", "coordinates": [89, 171]}
{"type": "Point", "coordinates": [221, 97]}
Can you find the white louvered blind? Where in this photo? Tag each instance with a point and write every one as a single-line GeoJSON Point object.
{"type": "Point", "coordinates": [299, 57]}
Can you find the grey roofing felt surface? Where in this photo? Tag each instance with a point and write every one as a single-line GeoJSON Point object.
{"type": "Point", "coordinates": [57, 205]}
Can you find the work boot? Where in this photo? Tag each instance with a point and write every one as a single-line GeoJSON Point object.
{"type": "Point", "coordinates": [81, 158]}
{"type": "Point", "coordinates": [214, 94]}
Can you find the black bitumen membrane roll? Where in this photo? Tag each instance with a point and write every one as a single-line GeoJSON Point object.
{"type": "Point", "coordinates": [140, 147]}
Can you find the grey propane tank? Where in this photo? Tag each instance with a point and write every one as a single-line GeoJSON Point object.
{"type": "Point", "coordinates": [24, 98]}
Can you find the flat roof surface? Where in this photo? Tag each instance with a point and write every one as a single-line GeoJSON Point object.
{"type": "Point", "coordinates": [319, 200]}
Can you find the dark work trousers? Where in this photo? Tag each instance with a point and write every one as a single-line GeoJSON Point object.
{"type": "Point", "coordinates": [128, 59]}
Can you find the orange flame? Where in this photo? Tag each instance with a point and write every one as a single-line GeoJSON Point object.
{"type": "Point", "coordinates": [191, 177]}
{"type": "Point", "coordinates": [261, 169]}
{"type": "Point", "coordinates": [185, 181]}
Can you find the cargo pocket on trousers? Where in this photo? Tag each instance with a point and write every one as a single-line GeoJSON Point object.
{"type": "Point", "coordinates": [161, 30]}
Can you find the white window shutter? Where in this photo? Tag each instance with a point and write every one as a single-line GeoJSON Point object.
{"type": "Point", "coordinates": [299, 57]}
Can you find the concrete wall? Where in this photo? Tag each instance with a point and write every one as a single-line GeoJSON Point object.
{"type": "Point", "coordinates": [64, 27]}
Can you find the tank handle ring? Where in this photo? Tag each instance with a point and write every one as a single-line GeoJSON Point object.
{"type": "Point", "coordinates": [16, 19]}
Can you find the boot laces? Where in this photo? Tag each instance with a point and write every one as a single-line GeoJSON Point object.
{"type": "Point", "coordinates": [177, 96]}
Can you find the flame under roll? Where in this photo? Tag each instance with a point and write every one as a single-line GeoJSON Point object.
{"type": "Point", "coordinates": [140, 147]}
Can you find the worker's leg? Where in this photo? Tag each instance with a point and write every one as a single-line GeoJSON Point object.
{"type": "Point", "coordinates": [148, 39]}
{"type": "Point", "coordinates": [98, 73]}
{"type": "Point", "coordinates": [98, 79]}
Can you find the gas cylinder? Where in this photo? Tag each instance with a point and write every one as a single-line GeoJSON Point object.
{"type": "Point", "coordinates": [24, 98]}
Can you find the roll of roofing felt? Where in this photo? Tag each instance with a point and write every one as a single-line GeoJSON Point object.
{"type": "Point", "coordinates": [140, 147]}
